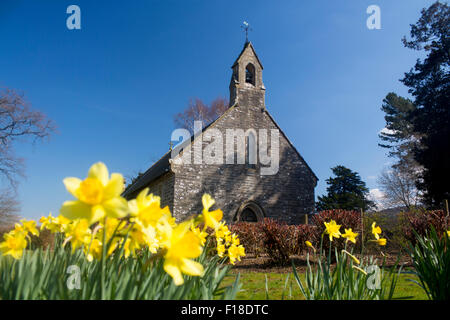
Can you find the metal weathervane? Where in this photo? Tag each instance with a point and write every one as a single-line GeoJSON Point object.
{"type": "Point", "coordinates": [247, 28]}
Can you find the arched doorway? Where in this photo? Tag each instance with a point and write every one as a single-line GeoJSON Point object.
{"type": "Point", "coordinates": [250, 212]}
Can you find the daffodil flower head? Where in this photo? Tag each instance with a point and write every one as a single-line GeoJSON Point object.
{"type": "Point", "coordinates": [98, 196]}
{"type": "Point", "coordinates": [376, 231]}
{"type": "Point", "coordinates": [94, 250]}
{"type": "Point", "coordinates": [351, 256]}
{"type": "Point", "coordinates": [200, 234]}
{"type": "Point", "coordinates": [350, 235]}
{"type": "Point", "coordinates": [235, 253]}
{"type": "Point", "coordinates": [332, 229]}
{"type": "Point", "coordinates": [30, 226]}
{"type": "Point", "coordinates": [183, 246]}
{"type": "Point", "coordinates": [50, 223]}
{"type": "Point", "coordinates": [14, 244]}
{"type": "Point", "coordinates": [235, 240]}
{"type": "Point", "coordinates": [220, 249]}
{"type": "Point", "coordinates": [380, 241]}
{"type": "Point", "coordinates": [130, 247]}
{"type": "Point", "coordinates": [360, 270]}
{"type": "Point", "coordinates": [144, 236]}
{"type": "Point", "coordinates": [210, 218]}
{"type": "Point", "coordinates": [63, 223]}
{"type": "Point", "coordinates": [309, 244]}
{"type": "Point", "coordinates": [221, 230]}
{"type": "Point", "coordinates": [78, 233]}
{"type": "Point", "coordinates": [147, 209]}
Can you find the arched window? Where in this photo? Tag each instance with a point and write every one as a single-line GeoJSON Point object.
{"type": "Point", "coordinates": [250, 74]}
{"type": "Point", "coordinates": [250, 212]}
{"type": "Point", "coordinates": [248, 215]}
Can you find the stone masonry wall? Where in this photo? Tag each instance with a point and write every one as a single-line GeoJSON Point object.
{"type": "Point", "coordinates": [287, 195]}
{"type": "Point", "coordinates": [162, 187]}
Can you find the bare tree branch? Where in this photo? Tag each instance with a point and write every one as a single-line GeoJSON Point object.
{"type": "Point", "coordinates": [399, 185]}
{"type": "Point", "coordinates": [18, 122]}
{"type": "Point", "coordinates": [199, 111]}
{"type": "Point", "coordinates": [9, 209]}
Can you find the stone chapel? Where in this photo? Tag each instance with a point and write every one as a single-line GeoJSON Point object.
{"type": "Point", "coordinates": [240, 190]}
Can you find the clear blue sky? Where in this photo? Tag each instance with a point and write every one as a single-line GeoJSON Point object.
{"type": "Point", "coordinates": [113, 86]}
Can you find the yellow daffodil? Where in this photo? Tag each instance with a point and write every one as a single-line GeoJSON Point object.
{"type": "Point", "coordinates": [376, 231]}
{"type": "Point", "coordinates": [93, 250]}
{"type": "Point", "coordinates": [50, 223]}
{"type": "Point", "coordinates": [146, 208]}
{"type": "Point", "coordinates": [448, 233]}
{"type": "Point", "coordinates": [351, 256]}
{"type": "Point", "coordinates": [221, 230]}
{"type": "Point", "coordinates": [360, 270]}
{"type": "Point", "coordinates": [235, 240]}
{"type": "Point", "coordinates": [14, 244]}
{"type": "Point", "coordinates": [210, 218]}
{"type": "Point", "coordinates": [200, 234]}
{"type": "Point", "coordinates": [332, 229]}
{"type": "Point", "coordinates": [350, 235]}
{"type": "Point", "coordinates": [183, 246]}
{"type": "Point", "coordinates": [235, 253]}
{"type": "Point", "coordinates": [129, 248]}
{"type": "Point", "coordinates": [30, 226]}
{"type": "Point", "coordinates": [98, 196]}
{"type": "Point", "coordinates": [78, 233]}
{"type": "Point", "coordinates": [164, 231]}
{"type": "Point", "coordinates": [380, 241]}
{"type": "Point", "coordinates": [63, 223]}
{"type": "Point", "coordinates": [144, 236]}
{"type": "Point", "coordinates": [309, 244]}
{"type": "Point", "coordinates": [220, 248]}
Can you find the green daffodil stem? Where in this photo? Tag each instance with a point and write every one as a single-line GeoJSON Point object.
{"type": "Point", "coordinates": [362, 231]}
{"type": "Point", "coordinates": [329, 254]}
{"type": "Point", "coordinates": [102, 273]}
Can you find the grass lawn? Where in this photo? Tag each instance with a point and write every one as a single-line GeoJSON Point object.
{"type": "Point", "coordinates": [254, 287]}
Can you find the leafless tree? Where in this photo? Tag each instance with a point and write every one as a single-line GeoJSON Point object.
{"type": "Point", "coordinates": [18, 122]}
{"type": "Point", "coordinates": [197, 110]}
{"type": "Point", "coordinates": [9, 209]}
{"type": "Point", "coordinates": [399, 185]}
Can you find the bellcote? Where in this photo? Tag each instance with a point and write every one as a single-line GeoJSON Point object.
{"type": "Point", "coordinates": [246, 86]}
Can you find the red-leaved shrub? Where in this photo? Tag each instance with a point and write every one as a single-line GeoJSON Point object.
{"type": "Point", "coordinates": [305, 233]}
{"type": "Point", "coordinates": [249, 236]}
{"type": "Point", "coordinates": [274, 238]}
{"type": "Point", "coordinates": [422, 221]}
{"type": "Point", "coordinates": [278, 240]}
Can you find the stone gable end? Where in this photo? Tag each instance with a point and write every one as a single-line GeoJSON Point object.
{"type": "Point", "coordinates": [287, 195]}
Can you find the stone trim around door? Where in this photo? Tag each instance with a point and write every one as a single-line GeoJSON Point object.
{"type": "Point", "coordinates": [249, 207]}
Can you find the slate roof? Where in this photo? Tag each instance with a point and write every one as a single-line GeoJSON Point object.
{"type": "Point", "coordinates": [159, 168]}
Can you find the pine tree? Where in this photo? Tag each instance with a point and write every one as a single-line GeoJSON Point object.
{"type": "Point", "coordinates": [345, 191]}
